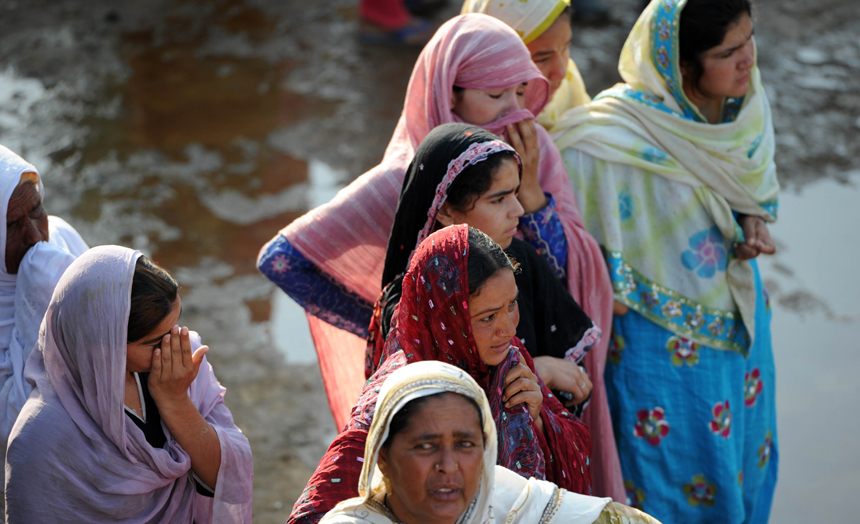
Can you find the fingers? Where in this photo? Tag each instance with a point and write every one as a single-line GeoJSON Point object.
{"type": "Point", "coordinates": [515, 138]}
{"type": "Point", "coordinates": [529, 398]}
{"type": "Point", "coordinates": [528, 132]}
{"type": "Point", "coordinates": [765, 243]}
{"type": "Point", "coordinates": [185, 347]}
{"type": "Point", "coordinates": [166, 357]}
{"type": "Point", "coordinates": [518, 371]}
{"type": "Point", "coordinates": [197, 357]}
{"type": "Point", "coordinates": [745, 251]}
{"type": "Point", "coordinates": [518, 387]}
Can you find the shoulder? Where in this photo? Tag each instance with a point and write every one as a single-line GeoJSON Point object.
{"type": "Point", "coordinates": [41, 426]}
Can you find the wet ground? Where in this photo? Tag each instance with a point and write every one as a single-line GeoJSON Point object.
{"type": "Point", "coordinates": [194, 130]}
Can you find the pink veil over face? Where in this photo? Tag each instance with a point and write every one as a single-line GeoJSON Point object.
{"type": "Point", "coordinates": [347, 238]}
{"type": "Point", "coordinates": [73, 454]}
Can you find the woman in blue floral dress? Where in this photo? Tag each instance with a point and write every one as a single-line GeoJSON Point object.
{"type": "Point", "coordinates": [675, 178]}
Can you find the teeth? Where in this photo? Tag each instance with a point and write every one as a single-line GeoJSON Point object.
{"type": "Point", "coordinates": [445, 490]}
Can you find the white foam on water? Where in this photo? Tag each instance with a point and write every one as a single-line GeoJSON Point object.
{"type": "Point", "coordinates": [816, 343]}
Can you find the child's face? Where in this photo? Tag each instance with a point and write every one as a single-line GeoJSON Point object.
{"type": "Point", "coordinates": [497, 211]}
{"type": "Point", "coordinates": [480, 107]}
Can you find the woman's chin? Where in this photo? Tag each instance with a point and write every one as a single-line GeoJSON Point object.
{"type": "Point", "coordinates": [495, 355]}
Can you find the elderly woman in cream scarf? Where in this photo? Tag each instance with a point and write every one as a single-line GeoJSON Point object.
{"type": "Point", "coordinates": [431, 455]}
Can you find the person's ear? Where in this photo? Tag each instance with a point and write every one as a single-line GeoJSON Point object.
{"type": "Point", "coordinates": [382, 461]}
{"type": "Point", "coordinates": [445, 215]}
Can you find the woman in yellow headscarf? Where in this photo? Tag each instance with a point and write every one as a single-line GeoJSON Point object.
{"type": "Point", "coordinates": [544, 26]}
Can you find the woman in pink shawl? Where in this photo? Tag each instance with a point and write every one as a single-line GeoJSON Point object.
{"type": "Point", "coordinates": [125, 423]}
{"type": "Point", "coordinates": [475, 69]}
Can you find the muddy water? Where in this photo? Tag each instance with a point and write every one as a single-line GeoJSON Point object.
{"type": "Point", "coordinates": [816, 339]}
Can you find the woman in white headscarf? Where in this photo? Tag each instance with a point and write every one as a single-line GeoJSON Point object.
{"type": "Point", "coordinates": [38, 248]}
{"type": "Point", "coordinates": [430, 457]}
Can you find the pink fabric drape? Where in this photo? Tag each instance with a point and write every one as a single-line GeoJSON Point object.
{"type": "Point", "coordinates": [347, 237]}
{"type": "Point", "coordinates": [73, 454]}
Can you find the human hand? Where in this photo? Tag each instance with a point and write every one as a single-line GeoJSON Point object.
{"type": "Point", "coordinates": [521, 386]}
{"type": "Point", "coordinates": [523, 138]}
{"type": "Point", "coordinates": [757, 235]}
{"type": "Point", "coordinates": [174, 368]}
{"type": "Point", "coordinates": [619, 309]}
{"type": "Point", "coordinates": [565, 375]}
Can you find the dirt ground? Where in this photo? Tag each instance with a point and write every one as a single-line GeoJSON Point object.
{"type": "Point", "coordinates": [191, 130]}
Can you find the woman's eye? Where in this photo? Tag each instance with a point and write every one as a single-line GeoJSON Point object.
{"type": "Point", "coordinates": [495, 97]}
{"type": "Point", "coordinates": [424, 446]}
{"type": "Point", "coordinates": [497, 201]}
{"type": "Point", "coordinates": [467, 444]}
{"type": "Point", "coordinates": [487, 320]}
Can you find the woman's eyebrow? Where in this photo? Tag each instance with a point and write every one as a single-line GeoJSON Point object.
{"type": "Point", "coordinates": [492, 308]}
{"type": "Point", "coordinates": [500, 193]}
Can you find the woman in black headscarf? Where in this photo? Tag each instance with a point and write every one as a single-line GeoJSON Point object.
{"type": "Point", "coordinates": [464, 174]}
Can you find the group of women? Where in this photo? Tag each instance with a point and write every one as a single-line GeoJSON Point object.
{"type": "Point", "coordinates": [596, 281]}
{"type": "Point", "coordinates": [512, 325]}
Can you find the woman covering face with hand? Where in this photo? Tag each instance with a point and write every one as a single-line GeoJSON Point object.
{"type": "Point", "coordinates": [430, 458]}
{"type": "Point", "coordinates": [127, 421]}
{"type": "Point", "coordinates": [459, 306]}
{"type": "Point", "coordinates": [677, 180]}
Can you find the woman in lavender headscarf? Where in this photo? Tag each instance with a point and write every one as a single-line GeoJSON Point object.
{"type": "Point", "coordinates": [126, 422]}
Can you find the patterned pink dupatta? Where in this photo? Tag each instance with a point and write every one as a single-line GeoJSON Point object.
{"type": "Point", "coordinates": [347, 238]}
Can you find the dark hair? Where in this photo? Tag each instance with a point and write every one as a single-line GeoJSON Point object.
{"type": "Point", "coordinates": [401, 419]}
{"type": "Point", "coordinates": [486, 258]}
{"type": "Point", "coordinates": [704, 24]}
{"type": "Point", "coordinates": [475, 180]}
{"type": "Point", "coordinates": [153, 292]}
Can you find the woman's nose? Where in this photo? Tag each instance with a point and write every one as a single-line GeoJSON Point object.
{"type": "Point", "coordinates": [446, 463]}
{"type": "Point", "coordinates": [516, 208]}
{"type": "Point", "coordinates": [559, 69]}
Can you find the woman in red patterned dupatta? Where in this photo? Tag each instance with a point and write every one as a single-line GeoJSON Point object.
{"type": "Point", "coordinates": [459, 306]}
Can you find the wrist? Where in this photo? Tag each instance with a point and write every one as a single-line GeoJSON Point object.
{"type": "Point", "coordinates": [168, 407]}
{"type": "Point", "coordinates": [532, 199]}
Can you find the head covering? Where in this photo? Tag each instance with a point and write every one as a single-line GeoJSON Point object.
{"type": "Point", "coordinates": [12, 167]}
{"type": "Point", "coordinates": [73, 454]}
{"type": "Point", "coordinates": [501, 497]}
{"type": "Point", "coordinates": [445, 153]}
{"type": "Point", "coordinates": [415, 381]}
{"type": "Point", "coordinates": [649, 123]}
{"type": "Point", "coordinates": [529, 19]}
{"type": "Point", "coordinates": [24, 296]}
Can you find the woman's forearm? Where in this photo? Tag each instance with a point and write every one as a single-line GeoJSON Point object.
{"type": "Point", "coordinates": [196, 436]}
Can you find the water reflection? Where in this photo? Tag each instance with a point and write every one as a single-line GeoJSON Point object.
{"type": "Point", "coordinates": [816, 339]}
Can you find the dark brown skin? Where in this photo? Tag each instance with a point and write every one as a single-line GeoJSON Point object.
{"type": "Point", "coordinates": [26, 224]}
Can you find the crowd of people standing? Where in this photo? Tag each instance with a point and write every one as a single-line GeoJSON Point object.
{"type": "Point", "coordinates": [538, 307]}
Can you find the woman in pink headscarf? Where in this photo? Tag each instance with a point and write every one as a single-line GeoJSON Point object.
{"type": "Point", "coordinates": [476, 70]}
{"type": "Point", "coordinates": [126, 421]}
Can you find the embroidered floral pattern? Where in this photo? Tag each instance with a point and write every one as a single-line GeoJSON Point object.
{"type": "Point", "coordinates": [707, 253]}
{"type": "Point", "coordinates": [651, 425]}
{"type": "Point", "coordinates": [765, 450]}
{"type": "Point", "coordinates": [700, 491]}
{"type": "Point", "coordinates": [280, 264]}
{"type": "Point", "coordinates": [667, 308]}
{"type": "Point", "coordinates": [629, 207]}
{"type": "Point", "coordinates": [635, 496]}
{"type": "Point", "coordinates": [616, 346]}
{"type": "Point", "coordinates": [672, 309]}
{"type": "Point", "coordinates": [544, 231]}
{"type": "Point", "coordinates": [684, 351]}
{"type": "Point", "coordinates": [721, 423]}
{"type": "Point", "coordinates": [752, 387]}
